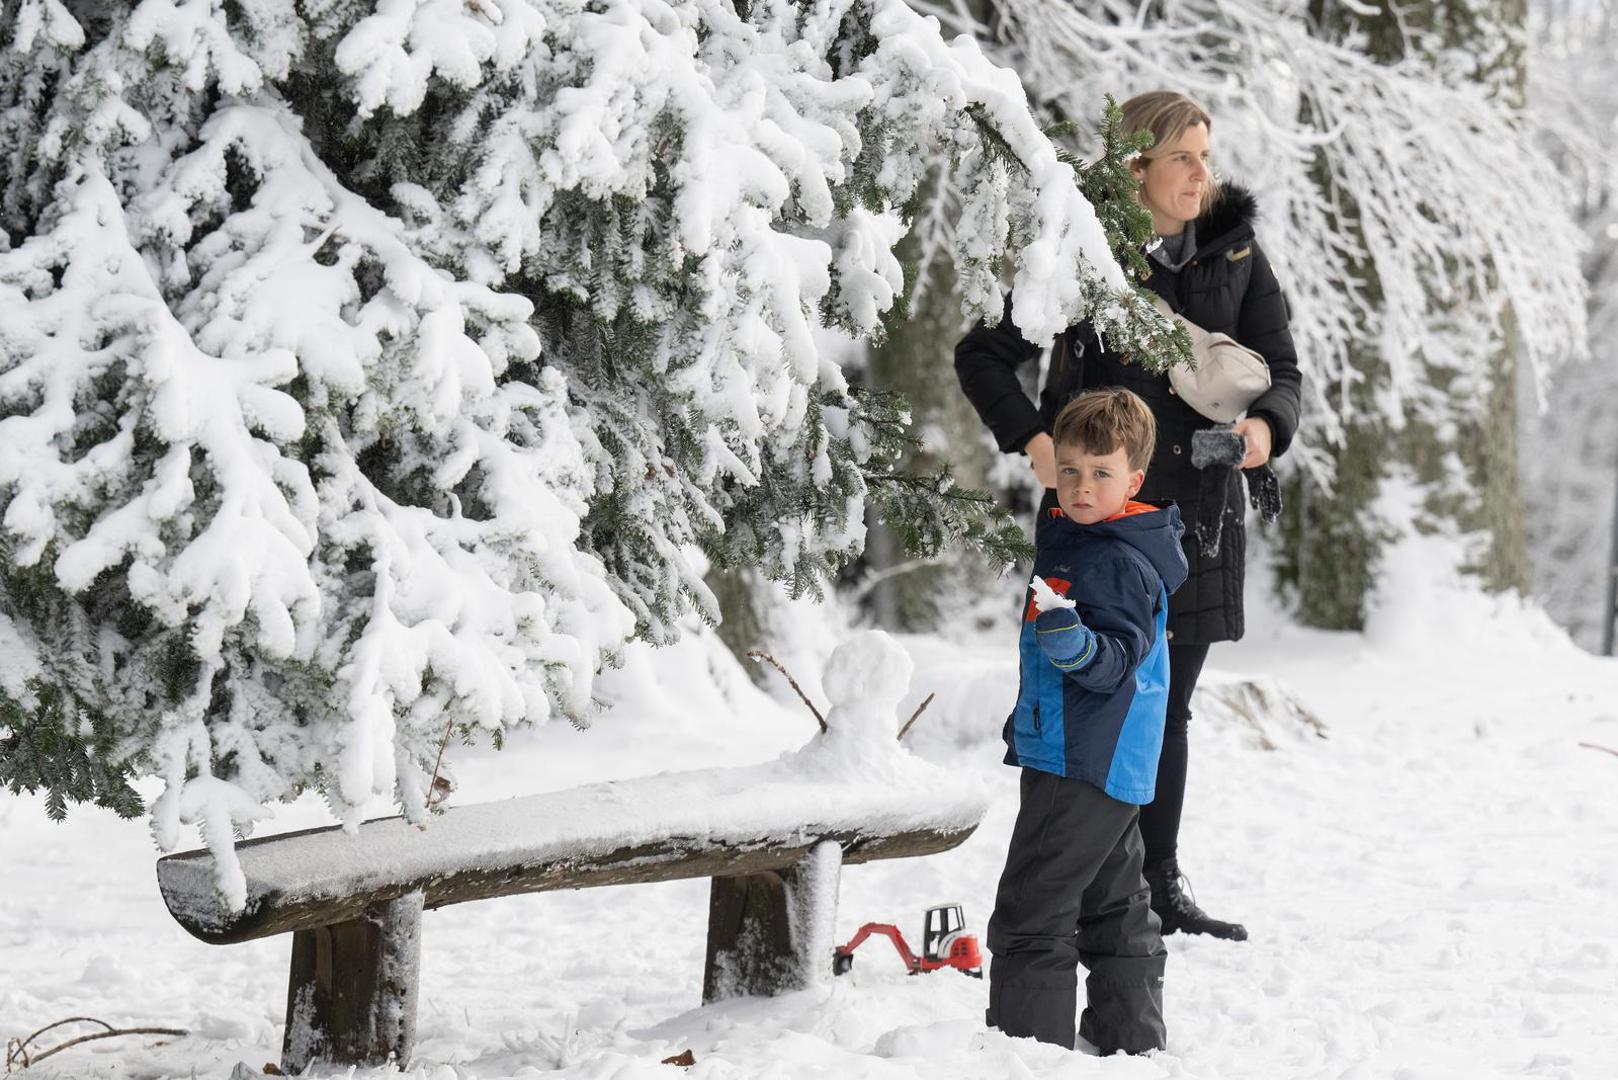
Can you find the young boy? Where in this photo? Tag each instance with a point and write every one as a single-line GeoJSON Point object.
{"type": "Point", "coordinates": [1087, 730]}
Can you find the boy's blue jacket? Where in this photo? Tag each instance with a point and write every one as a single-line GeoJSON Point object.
{"type": "Point", "coordinates": [1102, 723]}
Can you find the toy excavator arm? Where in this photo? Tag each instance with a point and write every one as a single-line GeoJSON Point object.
{"type": "Point", "coordinates": [912, 965]}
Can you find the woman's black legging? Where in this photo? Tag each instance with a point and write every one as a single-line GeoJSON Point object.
{"type": "Point", "coordinates": [1160, 820]}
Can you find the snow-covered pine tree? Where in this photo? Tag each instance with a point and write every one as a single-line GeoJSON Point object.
{"type": "Point", "coordinates": [371, 370]}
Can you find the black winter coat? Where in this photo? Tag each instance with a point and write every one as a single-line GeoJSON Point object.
{"type": "Point", "coordinates": [1229, 287]}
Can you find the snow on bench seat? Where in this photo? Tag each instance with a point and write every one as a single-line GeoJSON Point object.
{"type": "Point", "coordinates": [709, 823]}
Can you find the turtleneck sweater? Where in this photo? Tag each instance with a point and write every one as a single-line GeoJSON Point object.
{"type": "Point", "coordinates": [1174, 252]}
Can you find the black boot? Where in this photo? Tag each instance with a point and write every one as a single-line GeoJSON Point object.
{"type": "Point", "coordinates": [1179, 912]}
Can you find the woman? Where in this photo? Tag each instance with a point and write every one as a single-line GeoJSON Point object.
{"type": "Point", "coordinates": [1209, 268]}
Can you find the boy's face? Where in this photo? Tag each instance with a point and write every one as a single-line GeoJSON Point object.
{"type": "Point", "coordinates": [1094, 487]}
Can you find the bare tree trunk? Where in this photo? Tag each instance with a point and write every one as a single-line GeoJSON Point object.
{"type": "Point", "coordinates": [743, 617]}
{"type": "Point", "coordinates": [917, 360]}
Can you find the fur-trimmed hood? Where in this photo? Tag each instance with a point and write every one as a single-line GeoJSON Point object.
{"type": "Point", "coordinates": [1229, 220]}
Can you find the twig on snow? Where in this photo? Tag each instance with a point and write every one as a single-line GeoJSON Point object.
{"type": "Point", "coordinates": [1605, 749]}
{"type": "Point", "coordinates": [919, 710]}
{"type": "Point", "coordinates": [17, 1049]}
{"type": "Point", "coordinates": [759, 654]}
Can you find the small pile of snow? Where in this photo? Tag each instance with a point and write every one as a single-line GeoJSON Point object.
{"type": "Point", "coordinates": [1268, 709]}
{"type": "Point", "coordinates": [865, 680]}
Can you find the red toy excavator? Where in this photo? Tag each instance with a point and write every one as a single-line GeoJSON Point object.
{"type": "Point", "coordinates": [944, 943]}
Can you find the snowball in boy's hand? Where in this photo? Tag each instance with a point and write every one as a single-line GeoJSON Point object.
{"type": "Point", "coordinates": [1045, 598]}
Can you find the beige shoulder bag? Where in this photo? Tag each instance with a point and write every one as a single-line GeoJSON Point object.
{"type": "Point", "coordinates": [1228, 377]}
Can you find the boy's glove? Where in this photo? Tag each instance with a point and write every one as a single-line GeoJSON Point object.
{"type": "Point", "coordinates": [1068, 643]}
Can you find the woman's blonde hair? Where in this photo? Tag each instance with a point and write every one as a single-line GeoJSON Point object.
{"type": "Point", "coordinates": [1166, 115]}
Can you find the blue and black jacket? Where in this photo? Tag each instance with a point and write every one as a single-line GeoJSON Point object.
{"type": "Point", "coordinates": [1102, 722]}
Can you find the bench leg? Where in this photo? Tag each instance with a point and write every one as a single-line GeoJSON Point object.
{"type": "Point", "coordinates": [351, 997]}
{"type": "Point", "coordinates": [771, 933]}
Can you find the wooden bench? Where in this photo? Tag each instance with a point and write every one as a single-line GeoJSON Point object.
{"type": "Point", "coordinates": [772, 837]}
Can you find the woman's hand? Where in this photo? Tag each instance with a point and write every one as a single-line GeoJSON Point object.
{"type": "Point", "coordinates": [1256, 430]}
{"type": "Point", "coordinates": [1042, 457]}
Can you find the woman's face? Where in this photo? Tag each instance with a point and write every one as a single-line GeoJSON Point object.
{"type": "Point", "coordinates": [1172, 185]}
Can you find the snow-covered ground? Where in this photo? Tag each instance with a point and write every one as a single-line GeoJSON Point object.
{"type": "Point", "coordinates": [1432, 890]}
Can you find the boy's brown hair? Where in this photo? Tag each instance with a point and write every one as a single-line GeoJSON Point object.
{"type": "Point", "coordinates": [1100, 421]}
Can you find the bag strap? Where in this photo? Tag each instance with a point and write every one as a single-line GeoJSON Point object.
{"type": "Point", "coordinates": [1170, 314]}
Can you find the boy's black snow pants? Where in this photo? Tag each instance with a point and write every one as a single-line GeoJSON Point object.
{"type": "Point", "coordinates": [1072, 891]}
